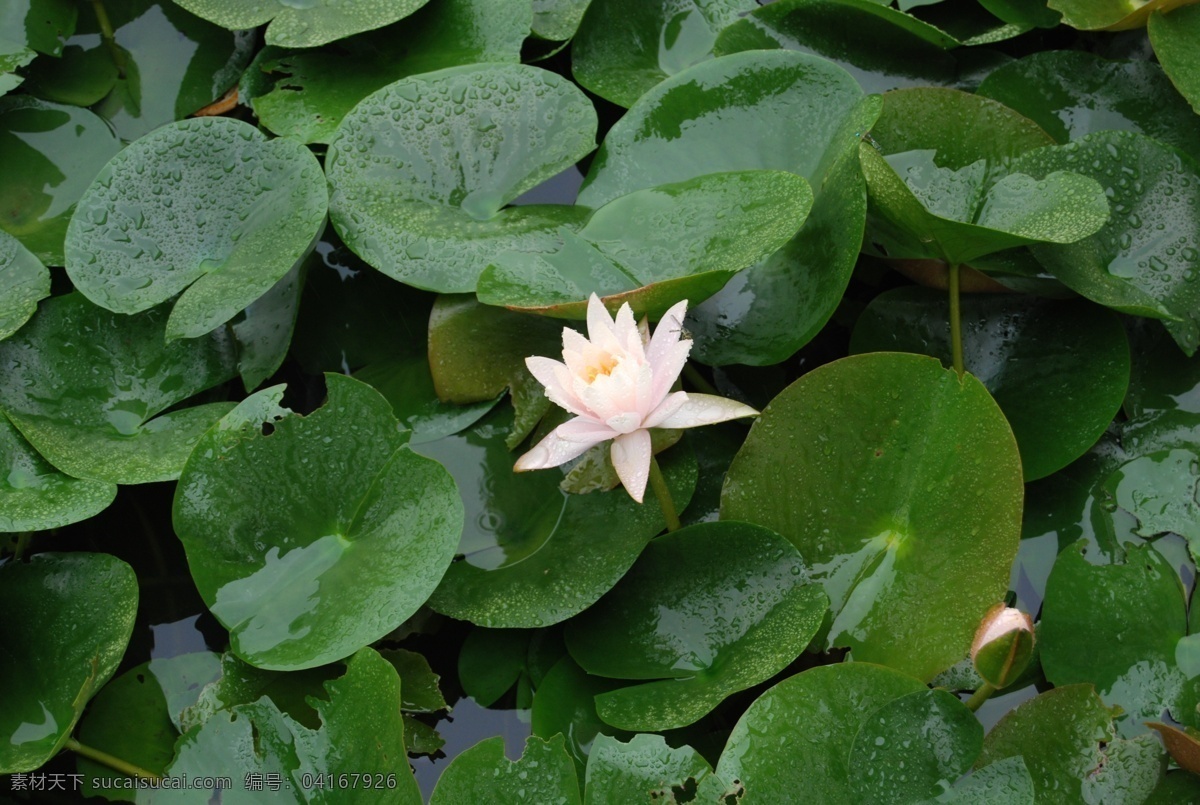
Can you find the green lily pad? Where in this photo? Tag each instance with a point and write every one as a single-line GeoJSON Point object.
{"type": "Point", "coordinates": [829, 705]}
{"type": "Point", "coordinates": [707, 611]}
{"type": "Point", "coordinates": [645, 769]}
{"type": "Point", "coordinates": [350, 543]}
{"type": "Point", "coordinates": [76, 616]}
{"type": "Point", "coordinates": [49, 154]}
{"type": "Point", "coordinates": [1119, 626]}
{"type": "Point", "coordinates": [1057, 369]}
{"type": "Point", "coordinates": [557, 20]}
{"type": "Point", "coordinates": [1005, 782]}
{"type": "Point", "coordinates": [775, 110]}
{"type": "Point", "coordinates": [1110, 15]}
{"type": "Point", "coordinates": [881, 47]}
{"type": "Point", "coordinates": [34, 496]}
{"type": "Point", "coordinates": [565, 703]}
{"type": "Point", "coordinates": [1062, 736]}
{"type": "Point", "coordinates": [357, 750]}
{"type": "Point", "coordinates": [303, 24]}
{"type": "Point", "coordinates": [476, 352]}
{"type": "Point", "coordinates": [41, 25]}
{"type": "Point", "coordinates": [1160, 489]}
{"type": "Point", "coordinates": [420, 691]}
{"type": "Point", "coordinates": [237, 683]}
{"type": "Point", "coordinates": [533, 555]}
{"type": "Point", "coordinates": [1176, 788]}
{"type": "Point", "coordinates": [895, 768]}
{"type": "Point", "coordinates": [98, 409]}
{"type": "Point", "coordinates": [491, 661]}
{"type": "Point", "coordinates": [544, 774]}
{"type": "Point", "coordinates": [1174, 37]}
{"type": "Point", "coordinates": [420, 170]}
{"type": "Point", "coordinates": [864, 464]}
{"type": "Point", "coordinates": [1071, 94]}
{"type": "Point", "coordinates": [625, 47]}
{"type": "Point", "coordinates": [408, 386]}
{"type": "Point", "coordinates": [24, 282]}
{"type": "Point", "coordinates": [1144, 260]}
{"type": "Point", "coordinates": [264, 329]}
{"type": "Point", "coordinates": [306, 94]}
{"type": "Point", "coordinates": [654, 247]}
{"type": "Point", "coordinates": [165, 65]}
{"type": "Point", "coordinates": [207, 206]}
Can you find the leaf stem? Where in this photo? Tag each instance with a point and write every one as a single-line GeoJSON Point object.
{"type": "Point", "coordinates": [981, 695]}
{"type": "Point", "coordinates": [659, 485]}
{"type": "Point", "coordinates": [956, 321]}
{"type": "Point", "coordinates": [698, 380]}
{"type": "Point", "coordinates": [22, 544]}
{"type": "Point", "coordinates": [109, 36]}
{"type": "Point", "coordinates": [106, 759]}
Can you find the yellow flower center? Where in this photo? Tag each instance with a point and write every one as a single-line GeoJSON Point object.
{"type": "Point", "coordinates": [604, 366]}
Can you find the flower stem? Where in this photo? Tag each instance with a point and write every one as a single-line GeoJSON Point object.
{"type": "Point", "coordinates": [981, 695]}
{"type": "Point", "coordinates": [698, 380]}
{"type": "Point", "coordinates": [659, 485]}
{"type": "Point", "coordinates": [955, 321]}
{"type": "Point", "coordinates": [109, 36]}
{"type": "Point", "coordinates": [22, 544]}
{"type": "Point", "coordinates": [106, 759]}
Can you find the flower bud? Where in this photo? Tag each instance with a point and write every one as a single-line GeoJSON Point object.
{"type": "Point", "coordinates": [1003, 645]}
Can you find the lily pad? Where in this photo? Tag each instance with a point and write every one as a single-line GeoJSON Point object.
{"type": "Point", "coordinates": [359, 743]}
{"type": "Point", "coordinates": [350, 543]}
{"type": "Point", "coordinates": [264, 330]}
{"type": "Point", "coordinates": [303, 24]}
{"type": "Point", "coordinates": [207, 206]}
{"type": "Point", "coordinates": [828, 705]}
{"type": "Point", "coordinates": [24, 282]}
{"type": "Point", "coordinates": [707, 611]}
{"type": "Point", "coordinates": [76, 616]}
{"type": "Point", "coordinates": [103, 381]}
{"type": "Point", "coordinates": [1174, 37]}
{"type": "Point", "coordinates": [420, 170]}
{"type": "Point", "coordinates": [557, 19]}
{"type": "Point", "coordinates": [565, 703]}
{"type": "Point", "coordinates": [34, 496]}
{"type": "Point", "coordinates": [491, 661]}
{"type": "Point", "coordinates": [1057, 369]}
{"type": "Point", "coordinates": [306, 94]}
{"type": "Point", "coordinates": [1120, 627]}
{"type": "Point", "coordinates": [163, 64]}
{"type": "Point", "coordinates": [407, 385]}
{"type": "Point", "coordinates": [1005, 782]}
{"type": "Point", "coordinates": [477, 351]}
{"type": "Point", "coordinates": [544, 774]}
{"type": "Point", "coordinates": [863, 465]}
{"type": "Point", "coordinates": [49, 154]}
{"type": "Point", "coordinates": [645, 769]}
{"type": "Point", "coordinates": [625, 47]}
{"type": "Point", "coordinates": [40, 25]}
{"type": "Point", "coordinates": [883, 48]}
{"type": "Point", "coordinates": [773, 110]}
{"type": "Point", "coordinates": [655, 247]}
{"type": "Point", "coordinates": [1160, 490]}
{"type": "Point", "coordinates": [1144, 260]}
{"type": "Point", "coordinates": [237, 683]}
{"type": "Point", "coordinates": [1062, 736]}
{"type": "Point", "coordinates": [533, 555]}
{"type": "Point", "coordinates": [1071, 94]}
{"type": "Point", "coordinates": [1111, 15]}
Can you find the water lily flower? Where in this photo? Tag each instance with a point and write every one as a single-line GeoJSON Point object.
{"type": "Point", "coordinates": [999, 622]}
{"type": "Point", "coordinates": [1002, 648]}
{"type": "Point", "coordinates": [617, 382]}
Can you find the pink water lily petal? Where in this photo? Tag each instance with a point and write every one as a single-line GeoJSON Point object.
{"type": "Point", "coordinates": [556, 378]}
{"type": "Point", "coordinates": [666, 409]}
{"type": "Point", "coordinates": [631, 454]}
{"type": "Point", "coordinates": [555, 450]}
{"type": "Point", "coordinates": [627, 333]}
{"type": "Point", "coordinates": [705, 409]}
{"type": "Point", "coordinates": [611, 394]}
{"type": "Point", "coordinates": [601, 328]}
{"type": "Point", "coordinates": [667, 334]}
{"type": "Point", "coordinates": [667, 368]}
{"type": "Point", "coordinates": [584, 429]}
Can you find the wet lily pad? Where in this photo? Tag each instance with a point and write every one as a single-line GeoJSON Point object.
{"type": "Point", "coordinates": [407, 385]}
{"type": "Point", "coordinates": [1005, 782]}
{"type": "Point", "coordinates": [1062, 736]}
{"type": "Point", "coordinates": [491, 661]}
{"type": "Point", "coordinates": [237, 683]}
{"type": "Point", "coordinates": [706, 611]}
{"type": "Point", "coordinates": [625, 47]}
{"type": "Point", "coordinates": [565, 702]}
{"type": "Point", "coordinates": [1174, 37]}
{"type": "Point", "coordinates": [532, 554]}
{"type": "Point", "coordinates": [209, 207]}
{"type": "Point", "coordinates": [774, 110]}
{"type": "Point", "coordinates": [1159, 489]}
{"type": "Point", "coordinates": [49, 154]}
{"type": "Point", "coordinates": [1120, 627]}
{"type": "Point", "coordinates": [35, 496]}
{"type": "Point", "coordinates": [830, 705]}
{"type": "Point", "coordinates": [1110, 15]}
{"type": "Point", "coordinates": [544, 773]}
{"type": "Point", "coordinates": [359, 742]}
{"type": "Point", "coordinates": [421, 169]}
{"type": "Point", "coordinates": [862, 464]}
{"type": "Point", "coordinates": [103, 381]}
{"type": "Point", "coordinates": [264, 329]}
{"type": "Point", "coordinates": [1071, 94]}
{"type": "Point", "coordinates": [164, 65]}
{"type": "Point", "coordinates": [24, 282]}
{"type": "Point", "coordinates": [883, 48]}
{"type": "Point", "coordinates": [354, 538]}
{"type": "Point", "coordinates": [645, 769]}
{"type": "Point", "coordinates": [655, 247]}
{"type": "Point", "coordinates": [557, 19]}
{"type": "Point", "coordinates": [28, 27]}
{"type": "Point", "coordinates": [303, 24]}
{"type": "Point", "coordinates": [306, 94]}
{"type": "Point", "coordinates": [1057, 369]}
{"type": "Point", "coordinates": [1144, 260]}
{"type": "Point", "coordinates": [76, 616]}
